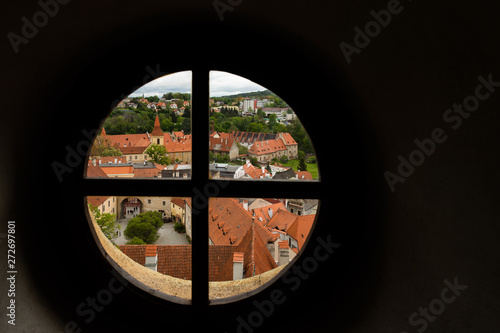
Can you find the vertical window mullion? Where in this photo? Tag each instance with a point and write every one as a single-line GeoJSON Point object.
{"type": "Point", "coordinates": [200, 133]}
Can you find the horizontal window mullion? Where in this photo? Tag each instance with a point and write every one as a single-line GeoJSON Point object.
{"type": "Point", "coordinates": [149, 187]}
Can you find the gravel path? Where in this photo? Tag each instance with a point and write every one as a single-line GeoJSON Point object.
{"type": "Point", "coordinates": [168, 236]}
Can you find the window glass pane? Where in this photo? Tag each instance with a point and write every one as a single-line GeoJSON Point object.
{"type": "Point", "coordinates": [148, 134]}
{"type": "Point", "coordinates": [253, 239]}
{"type": "Point", "coordinates": [149, 237]}
{"type": "Point", "coordinates": [255, 135]}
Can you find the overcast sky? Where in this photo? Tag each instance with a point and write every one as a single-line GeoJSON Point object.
{"type": "Point", "coordinates": [221, 84]}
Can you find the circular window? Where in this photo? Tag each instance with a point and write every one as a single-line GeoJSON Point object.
{"type": "Point", "coordinates": [253, 194]}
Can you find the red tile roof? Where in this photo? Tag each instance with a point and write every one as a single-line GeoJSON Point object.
{"type": "Point", "coordinates": [117, 169]}
{"type": "Point", "coordinates": [95, 171]}
{"type": "Point", "coordinates": [157, 129]}
{"type": "Point", "coordinates": [267, 147]}
{"type": "Point", "coordinates": [255, 172]}
{"type": "Point", "coordinates": [231, 224]}
{"type": "Point", "coordinates": [221, 144]}
{"type": "Point", "coordinates": [181, 202]}
{"type": "Point", "coordinates": [176, 260]}
{"type": "Point", "coordinates": [151, 251]}
{"type": "Point", "coordinates": [301, 228]}
{"type": "Point", "coordinates": [282, 220]}
{"type": "Point", "coordinates": [262, 213]}
{"type": "Point", "coordinates": [129, 140]}
{"type": "Point", "coordinates": [233, 216]}
{"type": "Point", "coordinates": [287, 138]}
{"type": "Point", "coordinates": [96, 200]}
{"type": "Point", "coordinates": [146, 173]}
{"type": "Point", "coordinates": [304, 175]}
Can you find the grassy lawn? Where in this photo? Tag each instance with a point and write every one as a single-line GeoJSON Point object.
{"type": "Point", "coordinates": [311, 167]}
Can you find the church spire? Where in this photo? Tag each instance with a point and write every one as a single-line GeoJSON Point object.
{"type": "Point", "coordinates": [157, 128]}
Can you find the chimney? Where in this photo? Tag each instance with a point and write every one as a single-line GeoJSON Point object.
{"type": "Point", "coordinates": [283, 253]}
{"type": "Point", "coordinates": [94, 161]}
{"type": "Point", "coordinates": [116, 160]}
{"type": "Point", "coordinates": [237, 266]}
{"type": "Point", "coordinates": [151, 257]}
{"type": "Point", "coordinates": [245, 205]}
{"type": "Point", "coordinates": [270, 213]}
{"type": "Point", "coordinates": [263, 170]}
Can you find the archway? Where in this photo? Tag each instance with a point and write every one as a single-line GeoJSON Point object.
{"type": "Point", "coordinates": [130, 207]}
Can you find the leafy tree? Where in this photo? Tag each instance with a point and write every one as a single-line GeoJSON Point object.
{"type": "Point", "coordinates": [242, 150]}
{"type": "Point", "coordinates": [186, 125]}
{"type": "Point", "coordinates": [136, 241]}
{"type": "Point", "coordinates": [272, 121]}
{"type": "Point", "coordinates": [102, 147]}
{"type": "Point", "coordinates": [144, 226]}
{"type": "Point", "coordinates": [302, 162]}
{"type": "Point", "coordinates": [254, 161]}
{"type": "Point", "coordinates": [157, 154]}
{"type": "Point", "coordinates": [106, 221]}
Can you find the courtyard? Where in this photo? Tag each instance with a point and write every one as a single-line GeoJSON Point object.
{"type": "Point", "coordinates": [168, 236]}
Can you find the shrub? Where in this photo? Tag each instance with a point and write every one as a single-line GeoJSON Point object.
{"type": "Point", "coordinates": [179, 227]}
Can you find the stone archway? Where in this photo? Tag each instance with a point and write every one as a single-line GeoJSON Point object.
{"type": "Point", "coordinates": [130, 207]}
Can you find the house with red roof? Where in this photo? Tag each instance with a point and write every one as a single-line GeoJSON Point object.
{"type": "Point", "coordinates": [223, 147]}
{"type": "Point", "coordinates": [133, 146]}
{"type": "Point", "coordinates": [230, 224]}
{"type": "Point", "coordinates": [105, 204]}
{"type": "Point", "coordinates": [283, 145]}
{"type": "Point", "coordinates": [293, 228]}
{"type": "Point", "coordinates": [249, 171]}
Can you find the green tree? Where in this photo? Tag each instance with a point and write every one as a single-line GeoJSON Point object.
{"type": "Point", "coordinates": [105, 221]}
{"type": "Point", "coordinates": [157, 154]}
{"type": "Point", "coordinates": [136, 241]}
{"type": "Point", "coordinates": [242, 150]}
{"type": "Point", "coordinates": [254, 161]}
{"type": "Point", "coordinates": [144, 226]}
{"type": "Point", "coordinates": [272, 121]}
{"type": "Point", "coordinates": [102, 147]}
{"type": "Point", "coordinates": [302, 161]}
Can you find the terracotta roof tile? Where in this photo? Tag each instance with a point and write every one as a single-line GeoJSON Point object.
{"type": "Point", "coordinates": [301, 228]}
{"type": "Point", "coordinates": [96, 200]}
{"type": "Point", "coordinates": [281, 220]}
{"type": "Point", "coordinates": [151, 250]}
{"type": "Point", "coordinates": [95, 171]}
